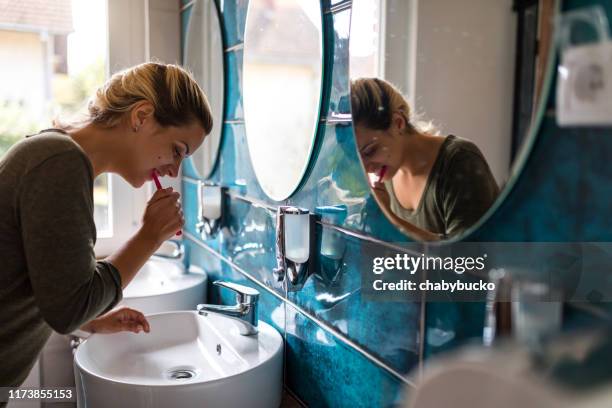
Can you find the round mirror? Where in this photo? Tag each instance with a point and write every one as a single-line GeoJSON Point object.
{"type": "Point", "coordinates": [282, 80]}
{"type": "Point", "coordinates": [446, 98]}
{"type": "Point", "coordinates": [204, 58]}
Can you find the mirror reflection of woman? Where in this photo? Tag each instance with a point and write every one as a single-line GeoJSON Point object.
{"type": "Point", "coordinates": [432, 186]}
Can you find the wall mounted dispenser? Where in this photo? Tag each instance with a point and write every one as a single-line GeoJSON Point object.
{"type": "Point", "coordinates": [584, 86]}
{"type": "Point", "coordinates": [294, 245]}
{"type": "Point", "coordinates": [210, 208]}
{"type": "Point", "coordinates": [332, 242]}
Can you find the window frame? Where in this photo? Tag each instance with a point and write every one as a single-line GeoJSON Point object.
{"type": "Point", "coordinates": [130, 42]}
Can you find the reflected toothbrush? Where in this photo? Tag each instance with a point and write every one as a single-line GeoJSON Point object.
{"type": "Point", "coordinates": [159, 187]}
{"type": "Point", "coordinates": [381, 173]}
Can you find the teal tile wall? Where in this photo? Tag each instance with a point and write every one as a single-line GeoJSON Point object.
{"type": "Point", "coordinates": [342, 351]}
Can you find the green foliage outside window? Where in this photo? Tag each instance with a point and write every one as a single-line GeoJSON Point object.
{"type": "Point", "coordinates": [70, 94]}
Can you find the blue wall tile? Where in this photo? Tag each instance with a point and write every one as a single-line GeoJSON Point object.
{"type": "Point", "coordinates": [211, 264]}
{"type": "Point", "coordinates": [326, 373]}
{"type": "Point", "coordinates": [334, 294]}
{"type": "Point", "coordinates": [190, 206]}
{"type": "Point", "coordinates": [234, 17]}
{"type": "Point", "coordinates": [271, 309]}
{"type": "Point", "coordinates": [189, 169]}
{"type": "Point", "coordinates": [449, 325]}
{"type": "Point", "coordinates": [249, 241]}
{"type": "Point", "coordinates": [233, 85]}
{"type": "Point", "coordinates": [236, 169]}
{"type": "Point", "coordinates": [336, 26]}
{"type": "Point", "coordinates": [185, 16]}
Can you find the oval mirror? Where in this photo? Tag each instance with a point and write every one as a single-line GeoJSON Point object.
{"type": "Point", "coordinates": [446, 98]}
{"type": "Point", "coordinates": [282, 80]}
{"type": "Point", "coordinates": [204, 58]}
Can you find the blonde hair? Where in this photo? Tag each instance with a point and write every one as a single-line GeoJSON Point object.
{"type": "Point", "coordinates": [176, 97]}
{"type": "Point", "coordinates": [373, 102]}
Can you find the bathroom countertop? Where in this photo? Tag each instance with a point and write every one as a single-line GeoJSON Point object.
{"type": "Point", "coordinates": [289, 401]}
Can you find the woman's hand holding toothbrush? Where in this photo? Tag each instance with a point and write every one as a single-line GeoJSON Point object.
{"type": "Point", "coordinates": [163, 216]}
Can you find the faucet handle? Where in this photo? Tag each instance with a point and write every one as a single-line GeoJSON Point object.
{"type": "Point", "coordinates": [244, 294]}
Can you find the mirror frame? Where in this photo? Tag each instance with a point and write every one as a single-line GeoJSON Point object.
{"type": "Point", "coordinates": [217, 124]}
{"type": "Point", "coordinates": [316, 123]}
{"type": "Point", "coordinates": [522, 155]}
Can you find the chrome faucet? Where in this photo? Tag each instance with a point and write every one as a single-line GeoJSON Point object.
{"type": "Point", "coordinates": [244, 312]}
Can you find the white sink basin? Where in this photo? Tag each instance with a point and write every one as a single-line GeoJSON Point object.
{"type": "Point", "coordinates": [187, 360]}
{"type": "Point", "coordinates": [162, 286]}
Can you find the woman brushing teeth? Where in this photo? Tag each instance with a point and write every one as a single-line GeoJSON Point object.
{"type": "Point", "coordinates": [145, 119]}
{"type": "Point", "coordinates": [432, 186]}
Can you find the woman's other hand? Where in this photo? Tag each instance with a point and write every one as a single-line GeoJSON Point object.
{"type": "Point", "coordinates": [118, 320]}
{"type": "Point", "coordinates": [163, 216]}
{"type": "Point", "coordinates": [382, 195]}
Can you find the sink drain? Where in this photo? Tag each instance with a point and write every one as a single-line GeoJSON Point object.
{"type": "Point", "coordinates": [179, 374]}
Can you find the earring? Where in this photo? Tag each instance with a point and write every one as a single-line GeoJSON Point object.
{"type": "Point", "coordinates": [135, 128]}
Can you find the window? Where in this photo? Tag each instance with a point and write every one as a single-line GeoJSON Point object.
{"type": "Point", "coordinates": [55, 54]}
{"type": "Point", "coordinates": [102, 206]}
{"type": "Point", "coordinates": [51, 66]}
{"type": "Point", "coordinates": [387, 48]}
{"type": "Point", "coordinates": [86, 70]}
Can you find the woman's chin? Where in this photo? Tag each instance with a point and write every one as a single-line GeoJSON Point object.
{"type": "Point", "coordinates": [137, 182]}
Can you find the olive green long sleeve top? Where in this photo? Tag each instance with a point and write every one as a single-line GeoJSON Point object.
{"type": "Point", "coordinates": [460, 188]}
{"type": "Point", "coordinates": [49, 276]}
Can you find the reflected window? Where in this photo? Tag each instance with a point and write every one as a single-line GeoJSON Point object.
{"type": "Point", "coordinates": [282, 70]}
{"type": "Point", "coordinates": [366, 44]}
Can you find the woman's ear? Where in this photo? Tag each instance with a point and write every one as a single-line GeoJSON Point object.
{"type": "Point", "coordinates": [399, 122]}
{"type": "Point", "coordinates": [141, 112]}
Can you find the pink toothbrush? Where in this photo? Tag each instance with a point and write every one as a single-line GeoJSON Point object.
{"type": "Point", "coordinates": [159, 187]}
